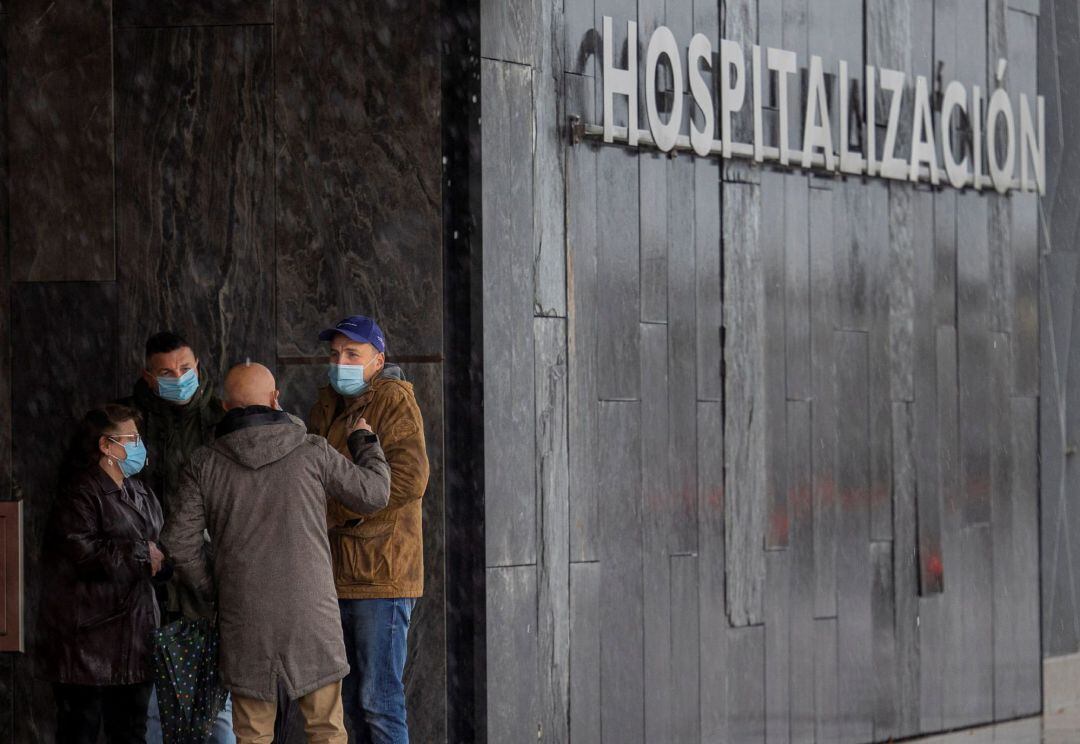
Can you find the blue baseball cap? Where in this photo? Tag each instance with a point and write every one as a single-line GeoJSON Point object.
{"type": "Point", "coordinates": [359, 328]}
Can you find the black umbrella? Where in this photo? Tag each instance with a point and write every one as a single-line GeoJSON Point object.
{"type": "Point", "coordinates": [189, 692]}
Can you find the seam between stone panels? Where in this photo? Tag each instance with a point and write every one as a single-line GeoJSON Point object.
{"type": "Point", "coordinates": [168, 26]}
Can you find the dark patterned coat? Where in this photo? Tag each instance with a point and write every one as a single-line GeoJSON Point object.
{"type": "Point", "coordinates": [99, 606]}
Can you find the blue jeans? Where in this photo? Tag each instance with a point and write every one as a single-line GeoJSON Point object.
{"type": "Point", "coordinates": [221, 733]}
{"type": "Point", "coordinates": [376, 638]}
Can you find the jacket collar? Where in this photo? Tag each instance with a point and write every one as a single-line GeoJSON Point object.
{"type": "Point", "coordinates": [244, 418]}
{"type": "Point", "coordinates": [103, 481]}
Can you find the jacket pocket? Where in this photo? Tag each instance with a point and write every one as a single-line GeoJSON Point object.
{"type": "Point", "coordinates": [363, 554]}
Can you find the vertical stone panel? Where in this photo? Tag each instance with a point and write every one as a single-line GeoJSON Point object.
{"type": "Point", "coordinates": [65, 334]}
{"type": "Point", "coordinates": [509, 480]}
{"type": "Point", "coordinates": [60, 140]}
{"type": "Point", "coordinates": [744, 394]}
{"type": "Point", "coordinates": [194, 178]}
{"type": "Point", "coordinates": [553, 488]}
{"type": "Point", "coordinates": [357, 159]}
{"type": "Point", "coordinates": [622, 693]}
{"type": "Point", "coordinates": [192, 12]}
{"type": "Point", "coordinates": [513, 688]}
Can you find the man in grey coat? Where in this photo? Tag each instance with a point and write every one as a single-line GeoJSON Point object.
{"type": "Point", "coordinates": [261, 490]}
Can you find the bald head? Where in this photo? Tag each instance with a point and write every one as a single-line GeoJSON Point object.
{"type": "Point", "coordinates": [250, 384]}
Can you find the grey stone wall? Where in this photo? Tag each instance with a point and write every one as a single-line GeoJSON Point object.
{"type": "Point", "coordinates": [761, 446]}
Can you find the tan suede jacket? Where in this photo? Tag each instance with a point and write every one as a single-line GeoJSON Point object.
{"type": "Point", "coordinates": [381, 555]}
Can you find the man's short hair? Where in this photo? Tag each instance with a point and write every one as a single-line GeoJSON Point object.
{"type": "Point", "coordinates": [164, 342]}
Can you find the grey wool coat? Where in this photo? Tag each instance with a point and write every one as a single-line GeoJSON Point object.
{"type": "Point", "coordinates": [261, 490]}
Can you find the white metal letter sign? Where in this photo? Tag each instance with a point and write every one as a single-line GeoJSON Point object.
{"type": "Point", "coordinates": [994, 131]}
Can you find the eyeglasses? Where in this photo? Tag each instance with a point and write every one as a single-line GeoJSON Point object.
{"type": "Point", "coordinates": [133, 438]}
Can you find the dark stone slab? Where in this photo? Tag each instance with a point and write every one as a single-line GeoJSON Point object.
{"type": "Point", "coordinates": [1060, 621]}
{"type": "Point", "coordinates": [927, 496]}
{"type": "Point", "coordinates": [549, 166]}
{"type": "Point", "coordinates": [618, 274]}
{"type": "Point", "coordinates": [1062, 161]}
{"type": "Point", "coordinates": [74, 322]}
{"type": "Point", "coordinates": [828, 252]}
{"type": "Point", "coordinates": [710, 309]}
{"type": "Point", "coordinates": [744, 436]}
{"type": "Point", "coordinates": [1025, 510]}
{"type": "Point", "coordinates": [511, 30]}
{"type": "Point", "coordinates": [5, 302]}
{"type": "Point", "coordinates": [553, 592]}
{"type": "Point", "coordinates": [826, 680]}
{"type": "Point", "coordinates": [931, 662]}
{"type": "Point", "coordinates": [585, 651]}
{"type": "Point", "coordinates": [357, 143]}
{"type": "Point", "coordinates": [713, 626]}
{"type": "Point", "coordinates": [1003, 531]}
{"type": "Point", "coordinates": [897, 704]}
{"type": "Point", "coordinates": [621, 588]}
{"type": "Point", "coordinates": [739, 23]}
{"type": "Point", "coordinates": [658, 528]}
{"type": "Point", "coordinates": [510, 495]}
{"type": "Point", "coordinates": [1023, 78]}
{"type": "Point", "coordinates": [887, 661]}
{"type": "Point", "coordinates": [1001, 291]}
{"type": "Point", "coordinates": [800, 496]}
{"type": "Point", "coordinates": [682, 357]}
{"type": "Point", "coordinates": [849, 236]}
{"type": "Point", "coordinates": [746, 685]}
{"type": "Point", "coordinates": [777, 629]}
{"type": "Point", "coordinates": [653, 236]}
{"type": "Point", "coordinates": [903, 219]}
{"type": "Point", "coordinates": [582, 311]}
{"type": "Point", "coordinates": [425, 676]}
{"type": "Point", "coordinates": [685, 651]}
{"type": "Point", "coordinates": [972, 329]}
{"type": "Point", "coordinates": [60, 141]}
{"type": "Point", "coordinates": [582, 51]}
{"type": "Point", "coordinates": [189, 13]}
{"type": "Point", "coordinates": [856, 673]}
{"type": "Point", "coordinates": [777, 342]}
{"type": "Point", "coordinates": [194, 179]}
{"type": "Point", "coordinates": [969, 665]}
{"type": "Point", "coordinates": [796, 286]}
{"type": "Point", "coordinates": [511, 654]}
{"type": "Point", "coordinates": [887, 354]}
{"type": "Point", "coordinates": [948, 410]}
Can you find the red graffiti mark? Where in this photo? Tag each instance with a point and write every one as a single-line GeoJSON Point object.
{"type": "Point", "coordinates": [934, 566]}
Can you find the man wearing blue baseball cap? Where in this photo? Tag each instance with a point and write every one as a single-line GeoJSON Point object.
{"type": "Point", "coordinates": [378, 558]}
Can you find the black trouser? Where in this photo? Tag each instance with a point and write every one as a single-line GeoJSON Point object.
{"type": "Point", "coordinates": [82, 709]}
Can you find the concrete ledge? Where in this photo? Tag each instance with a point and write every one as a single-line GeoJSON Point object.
{"type": "Point", "coordinates": [1061, 682]}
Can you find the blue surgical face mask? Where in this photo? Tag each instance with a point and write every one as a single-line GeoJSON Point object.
{"type": "Point", "coordinates": [347, 379]}
{"type": "Point", "coordinates": [135, 459]}
{"type": "Point", "coordinates": [178, 389]}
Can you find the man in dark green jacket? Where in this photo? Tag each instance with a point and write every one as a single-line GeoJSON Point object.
{"type": "Point", "coordinates": [179, 411]}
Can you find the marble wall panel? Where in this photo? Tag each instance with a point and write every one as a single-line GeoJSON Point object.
{"type": "Point", "coordinates": [65, 335]}
{"type": "Point", "coordinates": [191, 12]}
{"type": "Point", "coordinates": [425, 672]}
{"type": "Point", "coordinates": [357, 145]}
{"type": "Point", "coordinates": [60, 139]}
{"type": "Point", "coordinates": [195, 192]}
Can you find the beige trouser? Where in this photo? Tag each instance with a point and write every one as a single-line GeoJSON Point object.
{"type": "Point", "coordinates": [324, 722]}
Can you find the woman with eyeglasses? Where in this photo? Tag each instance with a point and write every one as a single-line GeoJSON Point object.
{"type": "Point", "coordinates": [101, 557]}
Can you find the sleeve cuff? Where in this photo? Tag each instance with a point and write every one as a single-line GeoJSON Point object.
{"type": "Point", "coordinates": [141, 551]}
{"type": "Point", "coordinates": [359, 440]}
